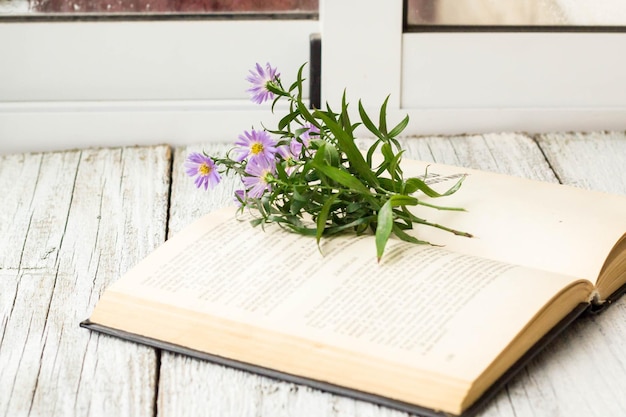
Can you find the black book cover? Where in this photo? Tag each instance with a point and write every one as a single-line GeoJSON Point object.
{"type": "Point", "coordinates": [337, 389]}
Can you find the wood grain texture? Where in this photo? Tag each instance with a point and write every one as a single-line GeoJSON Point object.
{"type": "Point", "coordinates": [71, 223]}
{"type": "Point", "coordinates": [594, 161]}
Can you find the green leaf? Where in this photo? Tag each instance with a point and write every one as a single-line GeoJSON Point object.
{"type": "Point", "coordinates": [389, 184]}
{"type": "Point", "coordinates": [362, 221]}
{"type": "Point", "coordinates": [399, 127]}
{"type": "Point", "coordinates": [299, 81]}
{"type": "Point", "coordinates": [402, 235]}
{"type": "Point", "coordinates": [347, 145]}
{"type": "Point", "coordinates": [281, 173]}
{"type": "Point", "coordinates": [413, 184]}
{"type": "Point", "coordinates": [382, 119]}
{"type": "Point", "coordinates": [331, 155]}
{"type": "Point", "coordinates": [402, 200]}
{"type": "Point", "coordinates": [344, 117]}
{"type": "Point", "coordinates": [304, 112]}
{"type": "Point", "coordinates": [383, 228]}
{"type": "Point", "coordinates": [443, 208]}
{"type": "Point", "coordinates": [293, 86]}
{"type": "Point", "coordinates": [342, 177]}
{"type": "Point", "coordinates": [287, 119]}
{"type": "Point", "coordinates": [386, 220]}
{"type": "Point", "coordinates": [256, 222]}
{"type": "Point", "coordinates": [297, 194]}
{"type": "Point", "coordinates": [368, 122]}
{"type": "Point", "coordinates": [319, 157]}
{"type": "Point", "coordinates": [297, 206]}
{"type": "Point", "coordinates": [274, 89]}
{"type": "Point", "coordinates": [322, 217]}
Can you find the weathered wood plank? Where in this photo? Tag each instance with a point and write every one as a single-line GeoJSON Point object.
{"type": "Point", "coordinates": [510, 153]}
{"type": "Point", "coordinates": [71, 223]}
{"type": "Point", "coordinates": [595, 161]}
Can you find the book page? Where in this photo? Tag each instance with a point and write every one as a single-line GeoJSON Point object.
{"type": "Point", "coordinates": [537, 224]}
{"type": "Point", "coordinates": [423, 307]}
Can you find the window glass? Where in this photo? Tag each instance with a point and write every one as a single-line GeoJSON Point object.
{"type": "Point", "coordinates": [515, 13]}
{"type": "Point", "coordinates": [26, 7]}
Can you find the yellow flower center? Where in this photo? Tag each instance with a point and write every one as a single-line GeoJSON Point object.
{"type": "Point", "coordinates": [256, 148]}
{"type": "Point", "coordinates": [204, 169]}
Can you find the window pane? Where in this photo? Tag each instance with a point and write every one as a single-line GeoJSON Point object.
{"type": "Point", "coordinates": [21, 7]}
{"type": "Point", "coordinates": [516, 12]}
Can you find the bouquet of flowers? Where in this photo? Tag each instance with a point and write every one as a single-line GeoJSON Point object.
{"type": "Point", "coordinates": [309, 176]}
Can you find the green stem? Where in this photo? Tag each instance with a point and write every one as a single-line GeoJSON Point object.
{"type": "Point", "coordinates": [447, 229]}
{"type": "Point", "coordinates": [421, 203]}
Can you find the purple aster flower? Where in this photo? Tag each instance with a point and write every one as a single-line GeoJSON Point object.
{"type": "Point", "coordinates": [290, 154]}
{"type": "Point", "coordinates": [259, 178]}
{"type": "Point", "coordinates": [203, 168]}
{"type": "Point", "coordinates": [240, 197]}
{"type": "Point", "coordinates": [312, 131]}
{"type": "Point", "coordinates": [256, 144]}
{"type": "Point", "coordinates": [259, 80]}
{"type": "Point", "coordinates": [291, 151]}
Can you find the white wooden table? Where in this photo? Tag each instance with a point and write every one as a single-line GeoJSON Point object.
{"type": "Point", "coordinates": [72, 222]}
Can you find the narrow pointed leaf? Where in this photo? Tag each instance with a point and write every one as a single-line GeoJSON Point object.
{"type": "Point", "coordinates": [407, 237]}
{"type": "Point", "coordinates": [344, 117]}
{"type": "Point", "coordinates": [342, 177]}
{"type": "Point", "coordinates": [347, 145]}
{"type": "Point", "coordinates": [322, 217]}
{"type": "Point", "coordinates": [382, 119]}
{"type": "Point", "coordinates": [403, 200]}
{"type": "Point", "coordinates": [399, 127]}
{"type": "Point", "coordinates": [383, 228]}
{"type": "Point", "coordinates": [368, 122]}
{"type": "Point", "coordinates": [414, 184]}
{"type": "Point", "coordinates": [287, 119]}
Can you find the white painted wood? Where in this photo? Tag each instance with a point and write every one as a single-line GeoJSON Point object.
{"type": "Point", "coordinates": [506, 153]}
{"type": "Point", "coordinates": [73, 222]}
{"type": "Point", "coordinates": [588, 160]}
{"type": "Point", "coordinates": [459, 121]}
{"type": "Point", "coordinates": [456, 83]}
{"type": "Point", "coordinates": [31, 127]}
{"type": "Point", "coordinates": [70, 224]}
{"type": "Point", "coordinates": [144, 60]}
{"type": "Point", "coordinates": [513, 70]}
{"type": "Point", "coordinates": [364, 51]}
{"type": "Point", "coordinates": [66, 85]}
{"type": "Point", "coordinates": [361, 50]}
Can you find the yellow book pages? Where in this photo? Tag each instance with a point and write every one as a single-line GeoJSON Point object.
{"type": "Point", "coordinates": [420, 327]}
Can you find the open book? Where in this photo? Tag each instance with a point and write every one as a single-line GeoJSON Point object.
{"type": "Point", "coordinates": [429, 329]}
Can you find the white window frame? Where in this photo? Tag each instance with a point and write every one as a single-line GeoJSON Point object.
{"type": "Point", "coordinates": [363, 51]}
{"type": "Point", "coordinates": [110, 83]}
{"type": "Point", "coordinates": [431, 77]}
